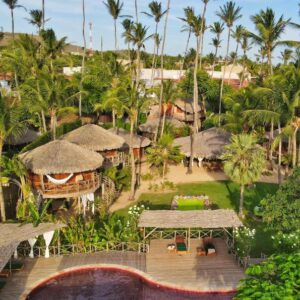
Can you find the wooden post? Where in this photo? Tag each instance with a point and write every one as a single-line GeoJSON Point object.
{"type": "Point", "coordinates": [42, 182]}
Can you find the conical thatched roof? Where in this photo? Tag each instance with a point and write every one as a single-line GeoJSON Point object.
{"type": "Point", "coordinates": [186, 105]}
{"type": "Point", "coordinates": [151, 125]}
{"type": "Point", "coordinates": [95, 138]}
{"type": "Point", "coordinates": [61, 157]}
{"type": "Point", "coordinates": [208, 143]}
{"type": "Point", "coordinates": [138, 140]}
{"type": "Point", "coordinates": [26, 137]}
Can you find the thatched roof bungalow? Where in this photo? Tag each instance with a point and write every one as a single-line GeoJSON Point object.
{"type": "Point", "coordinates": [26, 137]}
{"type": "Point", "coordinates": [139, 142]}
{"type": "Point", "coordinates": [60, 169]}
{"type": "Point", "coordinates": [208, 144]}
{"type": "Point", "coordinates": [96, 138]}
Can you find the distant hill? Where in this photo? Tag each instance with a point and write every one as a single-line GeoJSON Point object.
{"type": "Point", "coordinates": [73, 49]}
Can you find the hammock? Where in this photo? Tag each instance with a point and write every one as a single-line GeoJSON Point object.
{"type": "Point", "coordinates": [59, 181]}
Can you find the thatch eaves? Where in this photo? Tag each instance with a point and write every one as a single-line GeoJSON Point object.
{"type": "Point", "coordinates": [60, 157]}
{"type": "Point", "coordinates": [95, 138]}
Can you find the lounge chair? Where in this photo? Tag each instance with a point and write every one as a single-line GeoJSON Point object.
{"type": "Point", "coordinates": [181, 247]}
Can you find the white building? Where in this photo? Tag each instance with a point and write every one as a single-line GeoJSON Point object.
{"type": "Point", "coordinates": [69, 71]}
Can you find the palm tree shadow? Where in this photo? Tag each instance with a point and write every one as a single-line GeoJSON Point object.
{"type": "Point", "coordinates": [234, 195]}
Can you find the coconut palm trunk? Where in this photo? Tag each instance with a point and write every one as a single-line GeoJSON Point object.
{"type": "Point", "coordinates": [279, 154]}
{"type": "Point", "coordinates": [154, 55]}
{"type": "Point", "coordinates": [133, 171]}
{"type": "Point", "coordinates": [162, 68]}
{"type": "Point", "coordinates": [195, 105]}
{"type": "Point", "coordinates": [136, 11]}
{"type": "Point", "coordinates": [202, 32]}
{"type": "Point", "coordinates": [53, 121]}
{"type": "Point", "coordinates": [270, 62]}
{"type": "Point", "coordinates": [43, 10]}
{"type": "Point", "coordinates": [234, 60]}
{"type": "Point", "coordinates": [241, 208]}
{"type": "Point", "coordinates": [223, 75]}
{"type": "Point", "coordinates": [295, 147]}
{"type": "Point", "coordinates": [186, 50]}
{"type": "Point", "coordinates": [83, 59]}
{"type": "Point", "coordinates": [2, 203]}
{"type": "Point", "coordinates": [43, 120]}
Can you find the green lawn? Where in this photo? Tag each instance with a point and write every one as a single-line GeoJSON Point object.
{"type": "Point", "coordinates": [222, 194]}
{"type": "Point", "coordinates": [190, 204]}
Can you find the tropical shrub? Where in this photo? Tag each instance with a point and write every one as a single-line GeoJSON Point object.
{"type": "Point", "coordinates": [244, 240]}
{"type": "Point", "coordinates": [278, 278]}
{"type": "Point", "coordinates": [281, 211]}
{"type": "Point", "coordinates": [287, 242]}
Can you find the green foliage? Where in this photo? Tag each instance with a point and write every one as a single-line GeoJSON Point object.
{"type": "Point", "coordinates": [38, 215]}
{"type": "Point", "coordinates": [281, 211]}
{"type": "Point", "coordinates": [120, 177]}
{"type": "Point", "coordinates": [276, 279]}
{"type": "Point", "coordinates": [244, 240]}
{"type": "Point", "coordinates": [46, 137]}
{"type": "Point", "coordinates": [164, 152]}
{"type": "Point", "coordinates": [287, 242]}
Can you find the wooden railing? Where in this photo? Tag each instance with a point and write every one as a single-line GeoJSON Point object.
{"type": "Point", "coordinates": [72, 188]}
{"type": "Point", "coordinates": [60, 250]}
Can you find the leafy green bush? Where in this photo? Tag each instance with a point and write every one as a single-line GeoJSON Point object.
{"type": "Point", "coordinates": [46, 137]}
{"type": "Point", "coordinates": [120, 177]}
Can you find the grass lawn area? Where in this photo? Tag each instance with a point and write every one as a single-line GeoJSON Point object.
{"type": "Point", "coordinates": [222, 194]}
{"type": "Point", "coordinates": [190, 204]}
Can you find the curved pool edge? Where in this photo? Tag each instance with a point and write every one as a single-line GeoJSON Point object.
{"type": "Point", "coordinates": [146, 277]}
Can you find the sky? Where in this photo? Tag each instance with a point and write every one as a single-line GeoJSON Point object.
{"type": "Point", "coordinates": [66, 19]}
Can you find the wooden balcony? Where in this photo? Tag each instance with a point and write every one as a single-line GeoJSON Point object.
{"type": "Point", "coordinates": [71, 189]}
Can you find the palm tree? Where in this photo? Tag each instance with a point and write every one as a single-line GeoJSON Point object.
{"type": "Point", "coordinates": [127, 26]}
{"type": "Point", "coordinates": [114, 8]}
{"type": "Point", "coordinates": [188, 15]}
{"type": "Point", "coordinates": [43, 12]}
{"type": "Point", "coordinates": [138, 36]}
{"type": "Point", "coordinates": [169, 95]}
{"type": "Point", "coordinates": [163, 153]}
{"type": "Point", "coordinates": [10, 125]}
{"type": "Point", "coordinates": [83, 60]}
{"type": "Point", "coordinates": [12, 5]}
{"type": "Point", "coordinates": [36, 19]}
{"type": "Point", "coordinates": [217, 28]}
{"type": "Point", "coordinates": [246, 46]}
{"type": "Point", "coordinates": [196, 26]}
{"type": "Point", "coordinates": [244, 162]}
{"type": "Point", "coordinates": [286, 55]}
{"type": "Point", "coordinates": [269, 30]}
{"type": "Point", "coordinates": [237, 35]}
{"type": "Point", "coordinates": [162, 50]}
{"type": "Point", "coordinates": [156, 12]}
{"type": "Point", "coordinates": [205, 2]}
{"type": "Point", "coordinates": [228, 13]}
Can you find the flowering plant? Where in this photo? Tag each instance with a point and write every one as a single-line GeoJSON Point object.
{"type": "Point", "coordinates": [287, 242]}
{"type": "Point", "coordinates": [244, 238]}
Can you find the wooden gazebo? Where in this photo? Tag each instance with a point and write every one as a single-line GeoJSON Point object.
{"type": "Point", "coordinates": [61, 169]}
{"type": "Point", "coordinates": [95, 138]}
{"type": "Point", "coordinates": [203, 221]}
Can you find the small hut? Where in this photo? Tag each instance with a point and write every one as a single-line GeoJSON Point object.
{"type": "Point", "coordinates": [182, 110]}
{"type": "Point", "coordinates": [96, 138]}
{"type": "Point", "coordinates": [60, 169]}
{"type": "Point", "coordinates": [208, 144]}
{"type": "Point", "coordinates": [27, 136]}
{"type": "Point", "coordinates": [139, 142]}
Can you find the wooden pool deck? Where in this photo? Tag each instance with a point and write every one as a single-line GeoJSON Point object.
{"type": "Point", "coordinates": [208, 273]}
{"type": "Point", "coordinates": [188, 271]}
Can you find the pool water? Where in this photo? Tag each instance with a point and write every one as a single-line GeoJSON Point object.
{"type": "Point", "coordinates": [112, 284]}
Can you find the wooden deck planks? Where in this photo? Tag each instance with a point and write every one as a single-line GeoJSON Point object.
{"type": "Point", "coordinates": [219, 272]}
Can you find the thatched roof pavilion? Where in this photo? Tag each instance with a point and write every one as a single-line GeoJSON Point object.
{"type": "Point", "coordinates": [206, 219]}
{"type": "Point", "coordinates": [208, 144]}
{"type": "Point", "coordinates": [59, 157]}
{"type": "Point", "coordinates": [13, 234]}
{"type": "Point", "coordinates": [138, 140]}
{"type": "Point", "coordinates": [26, 137]}
{"type": "Point", "coordinates": [95, 138]}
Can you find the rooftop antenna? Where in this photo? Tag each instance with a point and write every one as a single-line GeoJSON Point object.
{"type": "Point", "coordinates": [91, 36]}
